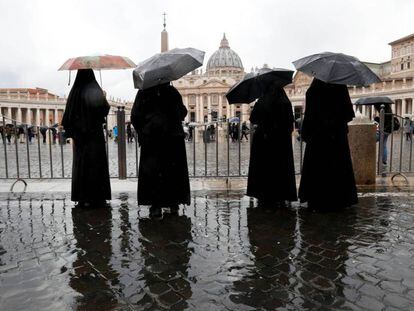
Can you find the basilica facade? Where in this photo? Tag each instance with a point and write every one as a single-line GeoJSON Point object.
{"type": "Point", "coordinates": [204, 92]}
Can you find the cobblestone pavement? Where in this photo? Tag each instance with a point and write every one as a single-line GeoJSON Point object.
{"type": "Point", "coordinates": [220, 253]}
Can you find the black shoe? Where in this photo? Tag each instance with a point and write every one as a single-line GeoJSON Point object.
{"type": "Point", "coordinates": [155, 212]}
{"type": "Point", "coordinates": [174, 209]}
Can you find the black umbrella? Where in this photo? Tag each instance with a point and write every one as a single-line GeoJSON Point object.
{"type": "Point", "coordinates": [337, 68]}
{"type": "Point", "coordinates": [374, 100]}
{"type": "Point", "coordinates": [254, 83]}
{"type": "Point", "coordinates": [167, 66]}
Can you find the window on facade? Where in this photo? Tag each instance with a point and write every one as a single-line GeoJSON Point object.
{"type": "Point", "coordinates": [192, 99]}
{"type": "Point", "coordinates": [224, 99]}
{"type": "Point", "coordinates": [408, 65]}
{"type": "Point", "coordinates": [192, 117]}
{"type": "Point", "coordinates": [214, 99]}
{"type": "Point", "coordinates": [205, 99]}
{"type": "Point", "coordinates": [238, 114]}
{"type": "Point", "coordinates": [402, 66]}
{"type": "Point", "coordinates": [205, 118]}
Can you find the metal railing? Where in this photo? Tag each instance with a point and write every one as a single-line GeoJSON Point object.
{"type": "Point", "coordinates": [39, 152]}
{"type": "Point", "coordinates": [395, 146]}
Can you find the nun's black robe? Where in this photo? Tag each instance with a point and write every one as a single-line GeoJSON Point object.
{"type": "Point", "coordinates": [327, 181]}
{"type": "Point", "coordinates": [85, 113]}
{"type": "Point", "coordinates": [157, 116]}
{"type": "Point", "coordinates": [271, 170]}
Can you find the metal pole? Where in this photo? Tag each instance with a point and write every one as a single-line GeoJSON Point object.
{"type": "Point", "coordinates": [38, 152]}
{"type": "Point", "coordinates": [17, 149]}
{"type": "Point", "coordinates": [239, 139]}
{"type": "Point", "coordinates": [27, 150]}
{"type": "Point", "coordinates": [217, 146]}
{"type": "Point", "coordinates": [5, 148]}
{"type": "Point", "coordinates": [194, 150]}
{"type": "Point", "coordinates": [50, 154]}
{"type": "Point", "coordinates": [61, 139]}
{"type": "Point", "coordinates": [121, 143]}
{"type": "Point", "coordinates": [401, 145]}
{"type": "Point", "coordinates": [136, 153]}
{"type": "Point", "coordinates": [392, 141]}
{"type": "Point", "coordinates": [228, 148]}
{"type": "Point", "coordinates": [381, 140]}
{"type": "Point", "coordinates": [205, 149]}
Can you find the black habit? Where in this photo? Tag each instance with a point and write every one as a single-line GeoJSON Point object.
{"type": "Point", "coordinates": [157, 117]}
{"type": "Point", "coordinates": [271, 169]}
{"type": "Point", "coordinates": [327, 181]}
{"type": "Point", "coordinates": [85, 113]}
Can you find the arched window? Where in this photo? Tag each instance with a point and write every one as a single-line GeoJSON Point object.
{"type": "Point", "coordinates": [192, 99]}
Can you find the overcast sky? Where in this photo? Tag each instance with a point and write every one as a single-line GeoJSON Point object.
{"type": "Point", "coordinates": [37, 36]}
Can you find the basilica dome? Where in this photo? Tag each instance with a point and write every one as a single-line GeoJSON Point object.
{"type": "Point", "coordinates": [224, 59]}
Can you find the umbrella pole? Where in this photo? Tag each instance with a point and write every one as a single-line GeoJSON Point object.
{"type": "Point", "coordinates": [100, 77]}
{"type": "Point", "coordinates": [69, 78]}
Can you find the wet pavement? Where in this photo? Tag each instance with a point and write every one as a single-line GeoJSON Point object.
{"type": "Point", "coordinates": [220, 253]}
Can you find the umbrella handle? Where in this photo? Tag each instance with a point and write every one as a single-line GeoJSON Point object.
{"type": "Point", "coordinates": [100, 77]}
{"type": "Point", "coordinates": [69, 77]}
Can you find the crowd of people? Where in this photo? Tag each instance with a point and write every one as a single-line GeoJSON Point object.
{"type": "Point", "coordinates": [157, 117]}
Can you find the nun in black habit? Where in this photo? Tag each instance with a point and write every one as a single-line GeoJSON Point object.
{"type": "Point", "coordinates": [157, 117]}
{"type": "Point", "coordinates": [271, 170]}
{"type": "Point", "coordinates": [327, 181]}
{"type": "Point", "coordinates": [85, 112]}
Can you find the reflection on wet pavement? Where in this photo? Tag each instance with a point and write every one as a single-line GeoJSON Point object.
{"type": "Point", "coordinates": [220, 253]}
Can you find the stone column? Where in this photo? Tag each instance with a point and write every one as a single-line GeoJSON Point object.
{"type": "Point", "coordinates": [363, 150]}
{"type": "Point", "coordinates": [220, 107]}
{"type": "Point", "coordinates": [228, 112]}
{"type": "Point", "coordinates": [56, 120]}
{"type": "Point", "coordinates": [37, 116]}
{"type": "Point", "coordinates": [201, 108]}
{"type": "Point", "coordinates": [28, 116]}
{"type": "Point", "coordinates": [9, 113]}
{"type": "Point", "coordinates": [185, 101]}
{"type": "Point", "coordinates": [209, 107]}
{"type": "Point", "coordinates": [403, 106]}
{"type": "Point", "coordinates": [19, 115]}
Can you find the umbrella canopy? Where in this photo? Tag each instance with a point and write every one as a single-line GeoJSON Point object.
{"type": "Point", "coordinates": [102, 62]}
{"type": "Point", "coordinates": [234, 119]}
{"type": "Point", "coordinates": [253, 84]}
{"type": "Point", "coordinates": [166, 67]}
{"type": "Point", "coordinates": [337, 68]}
{"type": "Point", "coordinates": [374, 100]}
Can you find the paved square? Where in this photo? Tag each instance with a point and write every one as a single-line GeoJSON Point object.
{"type": "Point", "coordinates": [220, 253]}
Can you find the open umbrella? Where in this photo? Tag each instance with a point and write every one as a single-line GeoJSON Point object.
{"type": "Point", "coordinates": [101, 62]}
{"type": "Point", "coordinates": [234, 120]}
{"type": "Point", "coordinates": [167, 66]}
{"type": "Point", "coordinates": [374, 100]}
{"type": "Point", "coordinates": [253, 84]}
{"type": "Point", "coordinates": [337, 68]}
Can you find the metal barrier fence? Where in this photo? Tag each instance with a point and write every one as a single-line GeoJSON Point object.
{"type": "Point", "coordinates": [39, 152]}
{"type": "Point", "coordinates": [395, 146]}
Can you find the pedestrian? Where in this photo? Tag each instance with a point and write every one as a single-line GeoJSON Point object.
{"type": "Point", "coordinates": [30, 133]}
{"type": "Point", "coordinates": [206, 134]}
{"type": "Point", "coordinates": [85, 112]}
{"type": "Point", "coordinates": [9, 132]}
{"type": "Point", "coordinates": [157, 116]}
{"type": "Point", "coordinates": [271, 176]}
{"type": "Point", "coordinates": [388, 128]}
{"type": "Point", "coordinates": [245, 131]}
{"type": "Point", "coordinates": [212, 132]}
{"type": "Point", "coordinates": [190, 132]}
{"type": "Point", "coordinates": [43, 131]}
{"type": "Point", "coordinates": [129, 132]}
{"type": "Point", "coordinates": [407, 129]}
{"type": "Point", "coordinates": [2, 132]}
{"type": "Point", "coordinates": [236, 132]}
{"type": "Point", "coordinates": [115, 133]}
{"type": "Point", "coordinates": [328, 181]}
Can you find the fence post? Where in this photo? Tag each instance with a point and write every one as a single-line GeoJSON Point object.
{"type": "Point", "coordinates": [381, 141]}
{"type": "Point", "coordinates": [122, 169]}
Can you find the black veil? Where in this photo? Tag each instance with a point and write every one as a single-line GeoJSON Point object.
{"type": "Point", "coordinates": [86, 106]}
